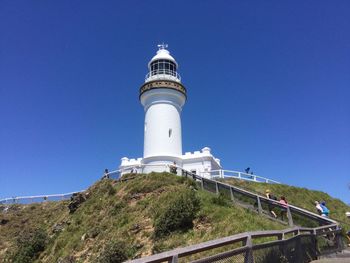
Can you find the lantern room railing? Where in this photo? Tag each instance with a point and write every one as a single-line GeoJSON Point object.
{"type": "Point", "coordinates": [163, 74]}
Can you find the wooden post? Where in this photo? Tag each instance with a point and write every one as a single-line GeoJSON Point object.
{"type": "Point", "coordinates": [174, 259]}
{"type": "Point", "coordinates": [298, 249]}
{"type": "Point", "coordinates": [290, 219]}
{"type": "Point", "coordinates": [217, 188]}
{"type": "Point", "coordinates": [259, 205]}
{"type": "Point", "coordinates": [231, 192]}
{"type": "Point", "coordinates": [248, 257]}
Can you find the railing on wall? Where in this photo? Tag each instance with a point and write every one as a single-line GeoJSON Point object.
{"type": "Point", "coordinates": [37, 198]}
{"type": "Point", "coordinates": [261, 204]}
{"type": "Point", "coordinates": [116, 174]}
{"type": "Point", "coordinates": [290, 245]}
{"type": "Point", "coordinates": [239, 175]}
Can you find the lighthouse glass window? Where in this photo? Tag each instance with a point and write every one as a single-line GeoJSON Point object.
{"type": "Point", "coordinates": [163, 67]}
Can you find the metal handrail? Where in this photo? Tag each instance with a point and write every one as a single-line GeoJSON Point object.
{"type": "Point", "coordinates": [17, 199]}
{"type": "Point", "coordinates": [271, 201]}
{"type": "Point", "coordinates": [241, 175]}
{"type": "Point", "coordinates": [160, 73]}
{"type": "Point", "coordinates": [246, 239]}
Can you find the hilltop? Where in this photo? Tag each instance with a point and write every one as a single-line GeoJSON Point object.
{"type": "Point", "coordinates": [127, 219]}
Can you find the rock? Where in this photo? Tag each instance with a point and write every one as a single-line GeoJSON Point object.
{"type": "Point", "coordinates": [4, 221]}
{"type": "Point", "coordinates": [23, 221]}
{"type": "Point", "coordinates": [58, 227]}
{"type": "Point", "coordinates": [135, 228]}
{"type": "Point", "coordinates": [137, 196]}
{"type": "Point", "coordinates": [138, 246]}
{"type": "Point", "coordinates": [94, 232]}
{"type": "Point", "coordinates": [75, 201]}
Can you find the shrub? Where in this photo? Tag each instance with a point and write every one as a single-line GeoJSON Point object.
{"type": "Point", "coordinates": [179, 210]}
{"type": "Point", "coordinates": [94, 232]}
{"type": "Point", "coordinates": [29, 246]}
{"type": "Point", "coordinates": [114, 252]}
{"type": "Point", "coordinates": [108, 188]}
{"type": "Point", "coordinates": [221, 200]}
{"type": "Point", "coordinates": [150, 182]}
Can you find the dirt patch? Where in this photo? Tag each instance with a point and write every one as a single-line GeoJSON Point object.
{"type": "Point", "coordinates": [202, 223]}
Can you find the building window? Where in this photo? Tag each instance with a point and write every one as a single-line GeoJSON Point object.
{"type": "Point", "coordinates": [170, 132]}
{"type": "Point", "coordinates": [163, 67]}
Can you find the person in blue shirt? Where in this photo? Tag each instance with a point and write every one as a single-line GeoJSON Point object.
{"type": "Point", "coordinates": [325, 210]}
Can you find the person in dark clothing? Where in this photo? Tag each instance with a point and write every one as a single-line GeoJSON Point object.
{"type": "Point", "coordinates": [106, 174]}
{"type": "Point", "coordinates": [269, 195]}
{"type": "Point", "coordinates": [173, 168]}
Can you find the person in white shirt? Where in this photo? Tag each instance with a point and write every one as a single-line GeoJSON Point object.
{"type": "Point", "coordinates": [318, 207]}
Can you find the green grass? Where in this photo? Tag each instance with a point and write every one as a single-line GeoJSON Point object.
{"type": "Point", "coordinates": [301, 197]}
{"type": "Point", "coordinates": [128, 211]}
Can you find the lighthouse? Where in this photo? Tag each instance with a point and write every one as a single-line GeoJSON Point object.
{"type": "Point", "coordinates": [163, 96]}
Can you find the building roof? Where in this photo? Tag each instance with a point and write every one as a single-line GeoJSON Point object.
{"type": "Point", "coordinates": [162, 53]}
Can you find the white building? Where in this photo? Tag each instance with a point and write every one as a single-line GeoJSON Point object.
{"type": "Point", "coordinates": [163, 96]}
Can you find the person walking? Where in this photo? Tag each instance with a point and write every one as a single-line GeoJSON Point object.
{"type": "Point", "coordinates": [173, 168]}
{"type": "Point", "coordinates": [284, 203]}
{"type": "Point", "coordinates": [325, 210]}
{"type": "Point", "coordinates": [269, 195]}
{"type": "Point", "coordinates": [105, 174]}
{"type": "Point", "coordinates": [318, 207]}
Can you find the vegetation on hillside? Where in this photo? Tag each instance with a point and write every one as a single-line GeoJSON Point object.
{"type": "Point", "coordinates": [119, 220]}
{"type": "Point", "coordinates": [148, 214]}
{"type": "Point", "coordinates": [301, 197]}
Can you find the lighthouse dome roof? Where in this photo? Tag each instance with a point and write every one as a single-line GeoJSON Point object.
{"type": "Point", "coordinates": [163, 53]}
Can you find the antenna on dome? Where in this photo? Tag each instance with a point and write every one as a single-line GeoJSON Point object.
{"type": "Point", "coordinates": [162, 46]}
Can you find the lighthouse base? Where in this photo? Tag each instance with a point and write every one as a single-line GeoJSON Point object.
{"type": "Point", "coordinates": [198, 162]}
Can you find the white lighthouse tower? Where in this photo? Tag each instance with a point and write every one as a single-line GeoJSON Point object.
{"type": "Point", "coordinates": [163, 95]}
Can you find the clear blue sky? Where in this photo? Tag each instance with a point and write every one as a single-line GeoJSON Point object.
{"type": "Point", "coordinates": [268, 87]}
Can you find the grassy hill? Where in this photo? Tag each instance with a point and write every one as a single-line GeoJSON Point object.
{"type": "Point", "coordinates": [123, 220]}
{"type": "Point", "coordinates": [301, 197]}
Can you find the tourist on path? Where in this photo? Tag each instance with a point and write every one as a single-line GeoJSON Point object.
{"type": "Point", "coordinates": [105, 174]}
{"type": "Point", "coordinates": [284, 203]}
{"type": "Point", "coordinates": [318, 207]}
{"type": "Point", "coordinates": [173, 168]}
{"type": "Point", "coordinates": [325, 210]}
{"type": "Point", "coordinates": [269, 195]}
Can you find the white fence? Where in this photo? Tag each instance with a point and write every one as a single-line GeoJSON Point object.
{"type": "Point", "coordinates": [37, 198]}
{"type": "Point", "coordinates": [240, 175]}
{"type": "Point", "coordinates": [116, 174]}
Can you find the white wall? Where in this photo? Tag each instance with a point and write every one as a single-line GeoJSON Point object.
{"type": "Point", "coordinates": [162, 130]}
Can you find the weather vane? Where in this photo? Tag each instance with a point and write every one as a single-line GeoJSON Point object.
{"type": "Point", "coordinates": [163, 46]}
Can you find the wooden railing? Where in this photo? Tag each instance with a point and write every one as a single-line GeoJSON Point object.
{"type": "Point", "coordinates": [294, 245]}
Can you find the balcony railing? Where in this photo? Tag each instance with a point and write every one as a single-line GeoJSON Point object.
{"type": "Point", "coordinates": [239, 175]}
{"type": "Point", "coordinates": [163, 74]}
